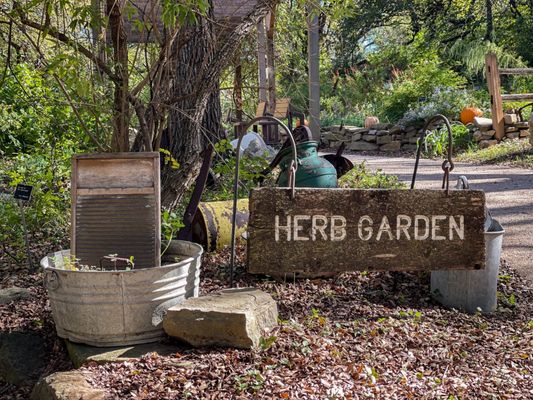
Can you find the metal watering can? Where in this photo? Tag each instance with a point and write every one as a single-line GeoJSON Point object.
{"type": "Point", "coordinates": [312, 171]}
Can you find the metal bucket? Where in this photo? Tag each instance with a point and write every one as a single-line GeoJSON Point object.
{"type": "Point", "coordinates": [116, 308]}
{"type": "Point", "coordinates": [211, 226]}
{"type": "Point", "coordinates": [472, 290]}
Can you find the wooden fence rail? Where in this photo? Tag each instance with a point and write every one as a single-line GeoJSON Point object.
{"type": "Point", "coordinates": [493, 73]}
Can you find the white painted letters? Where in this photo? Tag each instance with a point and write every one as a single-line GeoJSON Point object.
{"type": "Point", "coordinates": [338, 232]}
{"type": "Point", "coordinates": [286, 228]}
{"type": "Point", "coordinates": [368, 231]}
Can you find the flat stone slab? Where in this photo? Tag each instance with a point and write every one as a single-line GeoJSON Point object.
{"type": "Point", "coordinates": [13, 293]}
{"type": "Point", "coordinates": [22, 357]}
{"type": "Point", "coordinates": [230, 318]}
{"type": "Point", "coordinates": [81, 354]}
{"type": "Point", "coordinates": [70, 385]}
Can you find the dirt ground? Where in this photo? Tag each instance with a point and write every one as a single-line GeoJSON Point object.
{"type": "Point", "coordinates": [509, 194]}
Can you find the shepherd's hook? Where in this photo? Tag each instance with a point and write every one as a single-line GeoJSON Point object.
{"type": "Point", "coordinates": [292, 181]}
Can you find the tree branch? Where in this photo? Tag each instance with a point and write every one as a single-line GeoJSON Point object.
{"type": "Point", "coordinates": [53, 32]}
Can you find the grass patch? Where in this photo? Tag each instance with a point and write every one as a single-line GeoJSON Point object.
{"type": "Point", "coordinates": [516, 153]}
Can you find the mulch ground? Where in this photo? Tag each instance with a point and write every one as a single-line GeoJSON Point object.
{"type": "Point", "coordinates": [355, 336]}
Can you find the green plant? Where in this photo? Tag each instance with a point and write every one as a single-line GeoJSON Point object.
{"type": "Point", "coordinates": [252, 381]}
{"type": "Point", "coordinates": [250, 169]}
{"type": "Point", "coordinates": [359, 177]}
{"type": "Point", "coordinates": [170, 224]}
{"type": "Point", "coordinates": [47, 169]}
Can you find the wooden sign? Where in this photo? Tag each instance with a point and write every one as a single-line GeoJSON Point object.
{"type": "Point", "coordinates": [23, 192]}
{"type": "Point", "coordinates": [334, 230]}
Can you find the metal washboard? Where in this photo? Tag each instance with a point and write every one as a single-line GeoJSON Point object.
{"type": "Point", "coordinates": [116, 208]}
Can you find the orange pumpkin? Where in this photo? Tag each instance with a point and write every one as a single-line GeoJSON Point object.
{"type": "Point", "coordinates": [371, 121]}
{"type": "Point", "coordinates": [469, 113]}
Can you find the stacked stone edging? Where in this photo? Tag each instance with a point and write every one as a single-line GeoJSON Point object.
{"type": "Point", "coordinates": [484, 134]}
{"type": "Point", "coordinates": [395, 137]}
{"type": "Point", "coordinates": [378, 137]}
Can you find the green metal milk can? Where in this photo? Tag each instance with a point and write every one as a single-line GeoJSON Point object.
{"type": "Point", "coordinates": [313, 171]}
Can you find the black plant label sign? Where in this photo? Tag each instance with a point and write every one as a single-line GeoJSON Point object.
{"type": "Point", "coordinates": [23, 192]}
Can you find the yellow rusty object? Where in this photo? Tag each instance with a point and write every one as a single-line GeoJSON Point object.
{"type": "Point", "coordinates": [212, 223]}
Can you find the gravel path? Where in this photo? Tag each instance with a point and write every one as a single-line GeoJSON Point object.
{"type": "Point", "coordinates": [509, 194]}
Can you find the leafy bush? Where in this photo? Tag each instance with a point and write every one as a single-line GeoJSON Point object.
{"type": "Point", "coordinates": [436, 143]}
{"type": "Point", "coordinates": [425, 78]}
{"type": "Point", "coordinates": [359, 177]}
{"type": "Point", "coordinates": [48, 212]}
{"type": "Point", "coordinates": [33, 113]}
{"type": "Point", "coordinates": [224, 169]}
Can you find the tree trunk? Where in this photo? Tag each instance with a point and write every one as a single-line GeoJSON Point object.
{"type": "Point", "coordinates": [195, 114]}
{"type": "Point", "coordinates": [120, 139]}
{"type": "Point", "coordinates": [194, 119]}
{"type": "Point", "coordinates": [489, 34]}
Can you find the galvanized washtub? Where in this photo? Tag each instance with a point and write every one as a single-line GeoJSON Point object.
{"type": "Point", "coordinates": [116, 308]}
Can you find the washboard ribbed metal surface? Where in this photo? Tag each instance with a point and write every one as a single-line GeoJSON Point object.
{"type": "Point", "coordinates": [116, 208]}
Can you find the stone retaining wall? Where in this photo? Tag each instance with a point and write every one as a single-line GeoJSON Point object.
{"type": "Point", "coordinates": [395, 137]}
{"type": "Point", "coordinates": [379, 137]}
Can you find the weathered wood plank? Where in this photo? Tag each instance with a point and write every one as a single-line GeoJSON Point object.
{"type": "Point", "coordinates": [517, 97]}
{"type": "Point", "coordinates": [494, 83]}
{"type": "Point", "coordinates": [516, 71]}
{"type": "Point", "coordinates": [334, 230]}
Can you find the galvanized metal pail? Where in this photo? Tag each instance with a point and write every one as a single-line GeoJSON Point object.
{"type": "Point", "coordinates": [472, 291]}
{"type": "Point", "coordinates": [118, 308]}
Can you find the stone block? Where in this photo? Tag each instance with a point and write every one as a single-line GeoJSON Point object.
{"type": "Point", "coordinates": [361, 145]}
{"type": "Point", "coordinates": [411, 133]}
{"type": "Point", "coordinates": [69, 385]}
{"type": "Point", "coordinates": [81, 354]}
{"type": "Point", "coordinates": [383, 139]}
{"type": "Point", "coordinates": [511, 129]}
{"type": "Point", "coordinates": [392, 146]}
{"type": "Point", "coordinates": [382, 133]}
{"type": "Point", "coordinates": [524, 133]}
{"type": "Point", "coordinates": [483, 124]}
{"type": "Point", "coordinates": [231, 318]}
{"type": "Point", "coordinates": [356, 137]}
{"type": "Point", "coordinates": [522, 125]}
{"type": "Point", "coordinates": [22, 357]}
{"type": "Point", "coordinates": [409, 147]}
{"type": "Point", "coordinates": [477, 136]}
{"type": "Point", "coordinates": [487, 143]}
{"type": "Point", "coordinates": [13, 293]}
{"type": "Point", "coordinates": [512, 135]}
{"type": "Point", "coordinates": [413, 140]}
{"type": "Point", "coordinates": [369, 138]}
{"type": "Point", "coordinates": [396, 129]}
{"type": "Point", "coordinates": [487, 134]}
{"type": "Point", "coordinates": [510, 119]}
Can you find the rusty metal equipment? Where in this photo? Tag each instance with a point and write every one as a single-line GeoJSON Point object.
{"type": "Point", "coordinates": [211, 226]}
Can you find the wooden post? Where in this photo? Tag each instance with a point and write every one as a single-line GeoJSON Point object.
{"type": "Point", "coordinates": [496, 103]}
{"type": "Point", "coordinates": [271, 68]}
{"type": "Point", "coordinates": [313, 54]}
{"type": "Point", "coordinates": [261, 60]}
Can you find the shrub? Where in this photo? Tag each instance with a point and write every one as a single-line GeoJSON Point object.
{"type": "Point", "coordinates": [359, 177]}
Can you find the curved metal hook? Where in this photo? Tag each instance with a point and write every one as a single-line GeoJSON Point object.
{"type": "Point", "coordinates": [292, 179]}
{"type": "Point", "coordinates": [447, 165]}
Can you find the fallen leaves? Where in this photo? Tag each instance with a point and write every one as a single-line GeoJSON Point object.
{"type": "Point", "coordinates": [354, 336]}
